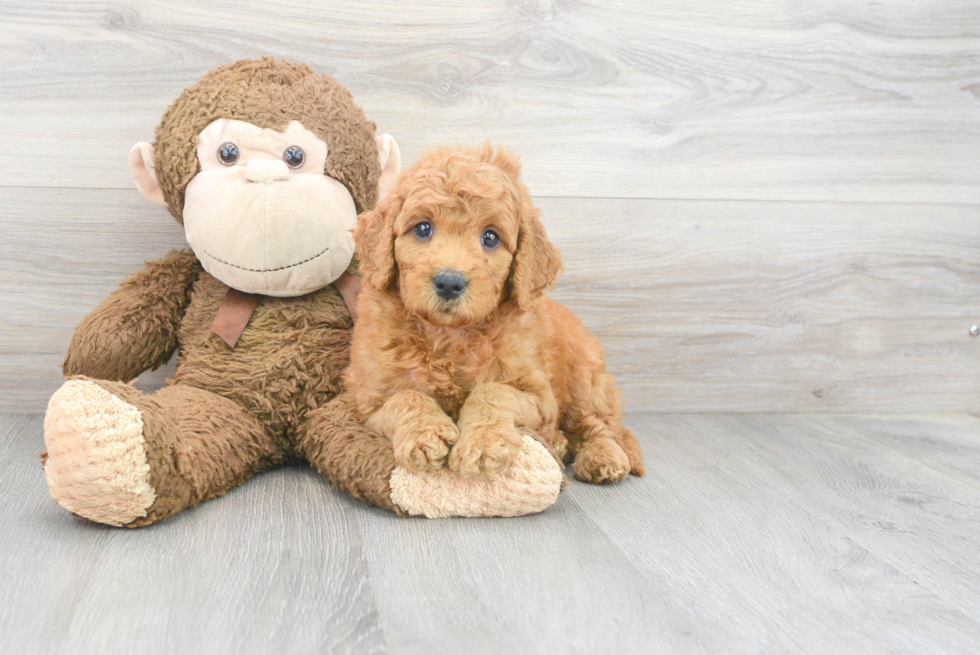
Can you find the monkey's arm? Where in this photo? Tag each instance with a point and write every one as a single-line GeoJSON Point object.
{"type": "Point", "coordinates": [135, 328]}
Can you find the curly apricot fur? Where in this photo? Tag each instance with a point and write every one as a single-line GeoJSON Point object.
{"type": "Point", "coordinates": [501, 356]}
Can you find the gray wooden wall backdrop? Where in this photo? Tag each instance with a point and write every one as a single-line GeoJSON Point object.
{"type": "Point", "coordinates": [764, 206]}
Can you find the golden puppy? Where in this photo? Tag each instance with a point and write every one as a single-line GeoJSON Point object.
{"type": "Point", "coordinates": [456, 347]}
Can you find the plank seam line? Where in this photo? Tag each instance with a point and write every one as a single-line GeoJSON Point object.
{"type": "Point", "coordinates": [800, 201]}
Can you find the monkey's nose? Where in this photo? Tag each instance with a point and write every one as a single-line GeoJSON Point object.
{"type": "Point", "coordinates": [449, 284]}
{"type": "Point", "coordinates": [266, 170]}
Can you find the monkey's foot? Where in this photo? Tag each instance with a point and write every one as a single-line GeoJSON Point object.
{"type": "Point", "coordinates": [96, 457]}
{"type": "Point", "coordinates": [531, 484]}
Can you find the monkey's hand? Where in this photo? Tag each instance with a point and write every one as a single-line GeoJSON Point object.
{"type": "Point", "coordinates": [135, 328]}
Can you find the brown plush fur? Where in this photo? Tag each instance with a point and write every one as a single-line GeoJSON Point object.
{"type": "Point", "coordinates": [269, 93]}
{"type": "Point", "coordinates": [358, 463]}
{"type": "Point", "coordinates": [466, 374]}
{"type": "Point", "coordinates": [229, 412]}
{"type": "Point", "coordinates": [135, 328]}
{"type": "Point", "coordinates": [198, 445]}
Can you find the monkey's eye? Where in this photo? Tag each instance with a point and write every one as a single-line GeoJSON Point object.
{"type": "Point", "coordinates": [490, 240]}
{"type": "Point", "coordinates": [423, 230]}
{"type": "Point", "coordinates": [228, 153]}
{"type": "Point", "coordinates": [294, 156]}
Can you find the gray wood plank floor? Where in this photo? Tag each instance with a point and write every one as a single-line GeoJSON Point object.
{"type": "Point", "coordinates": [751, 533]}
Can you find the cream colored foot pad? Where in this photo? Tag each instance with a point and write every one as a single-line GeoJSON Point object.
{"type": "Point", "coordinates": [96, 465]}
{"type": "Point", "coordinates": [530, 485]}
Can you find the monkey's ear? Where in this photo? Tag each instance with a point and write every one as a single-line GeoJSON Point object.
{"type": "Point", "coordinates": [142, 165]}
{"type": "Point", "coordinates": [391, 163]}
{"type": "Point", "coordinates": [374, 238]}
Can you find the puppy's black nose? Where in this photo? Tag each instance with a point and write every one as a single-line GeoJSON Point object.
{"type": "Point", "coordinates": [449, 284]}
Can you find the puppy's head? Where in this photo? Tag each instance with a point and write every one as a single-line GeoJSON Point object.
{"type": "Point", "coordinates": [458, 236]}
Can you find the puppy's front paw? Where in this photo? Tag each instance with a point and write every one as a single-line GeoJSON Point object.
{"type": "Point", "coordinates": [425, 447]}
{"type": "Point", "coordinates": [601, 460]}
{"type": "Point", "coordinates": [485, 449]}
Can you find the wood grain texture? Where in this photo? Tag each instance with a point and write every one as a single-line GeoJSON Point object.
{"type": "Point", "coordinates": [778, 307]}
{"type": "Point", "coordinates": [809, 100]}
{"type": "Point", "coordinates": [728, 257]}
{"type": "Point", "coordinates": [548, 583]}
{"type": "Point", "coordinates": [749, 534]}
{"type": "Point", "coordinates": [954, 454]}
{"type": "Point", "coordinates": [786, 536]}
{"type": "Point", "coordinates": [702, 306]}
{"type": "Point", "coordinates": [277, 566]}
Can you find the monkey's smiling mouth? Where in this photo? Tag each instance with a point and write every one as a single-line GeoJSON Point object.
{"type": "Point", "coordinates": [266, 270]}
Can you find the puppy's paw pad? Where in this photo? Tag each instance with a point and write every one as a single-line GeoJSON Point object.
{"type": "Point", "coordinates": [601, 461]}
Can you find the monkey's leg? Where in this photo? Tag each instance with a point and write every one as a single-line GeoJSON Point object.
{"type": "Point", "coordinates": [353, 458]}
{"type": "Point", "coordinates": [362, 463]}
{"type": "Point", "coordinates": [119, 457]}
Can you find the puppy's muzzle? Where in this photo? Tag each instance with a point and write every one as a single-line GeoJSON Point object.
{"type": "Point", "coordinates": [449, 285]}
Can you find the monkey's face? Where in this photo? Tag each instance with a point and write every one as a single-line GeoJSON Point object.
{"type": "Point", "coordinates": [262, 216]}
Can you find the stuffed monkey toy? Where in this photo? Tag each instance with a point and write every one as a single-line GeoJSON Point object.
{"type": "Point", "coordinates": [266, 165]}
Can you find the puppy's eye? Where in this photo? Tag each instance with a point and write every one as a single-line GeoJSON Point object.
{"type": "Point", "coordinates": [423, 230]}
{"type": "Point", "coordinates": [490, 239]}
{"type": "Point", "coordinates": [228, 153]}
{"type": "Point", "coordinates": [294, 156]}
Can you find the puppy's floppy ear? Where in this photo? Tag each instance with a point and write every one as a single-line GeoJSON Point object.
{"type": "Point", "coordinates": [374, 238]}
{"type": "Point", "coordinates": [537, 261]}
